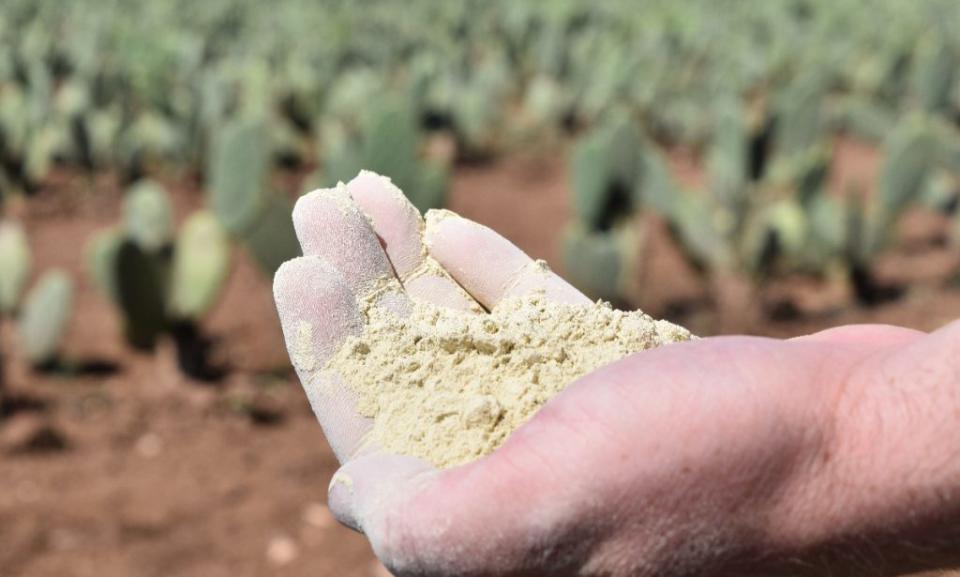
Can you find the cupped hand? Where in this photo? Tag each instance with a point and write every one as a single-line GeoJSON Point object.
{"type": "Point", "coordinates": [713, 457]}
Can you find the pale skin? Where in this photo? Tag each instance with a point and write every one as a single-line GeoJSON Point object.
{"type": "Point", "coordinates": [829, 454]}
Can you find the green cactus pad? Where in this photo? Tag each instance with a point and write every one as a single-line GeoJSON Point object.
{"type": "Point", "coordinates": [590, 169]}
{"type": "Point", "coordinates": [781, 235]}
{"type": "Point", "coordinates": [934, 73]}
{"type": "Point", "coordinates": [606, 172]}
{"type": "Point", "coordinates": [727, 160]}
{"type": "Point", "coordinates": [909, 154]}
{"type": "Point", "coordinates": [696, 228]}
{"type": "Point", "coordinates": [390, 141]}
{"type": "Point", "coordinates": [14, 264]}
{"type": "Point", "coordinates": [799, 116]}
{"type": "Point", "coordinates": [601, 263]}
{"type": "Point", "coordinates": [237, 174]}
{"type": "Point", "coordinates": [148, 216]}
{"type": "Point", "coordinates": [826, 232]}
{"type": "Point", "coordinates": [46, 313]}
{"type": "Point", "coordinates": [201, 262]}
{"type": "Point", "coordinates": [658, 190]}
{"type": "Point", "coordinates": [866, 119]}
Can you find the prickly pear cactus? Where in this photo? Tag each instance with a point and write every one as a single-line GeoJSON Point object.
{"type": "Point", "coordinates": [148, 216]}
{"type": "Point", "coordinates": [909, 155]}
{"type": "Point", "coordinates": [694, 225]}
{"type": "Point", "coordinates": [602, 264]}
{"type": "Point", "coordinates": [45, 315]}
{"type": "Point", "coordinates": [201, 262]}
{"type": "Point", "coordinates": [606, 171]}
{"type": "Point", "coordinates": [237, 173]}
{"type": "Point", "coordinates": [799, 116]}
{"type": "Point", "coordinates": [867, 120]}
{"type": "Point", "coordinates": [590, 171]}
{"type": "Point", "coordinates": [778, 231]}
{"type": "Point", "coordinates": [14, 264]}
{"type": "Point", "coordinates": [941, 192]}
{"type": "Point", "coordinates": [727, 160]}
{"type": "Point", "coordinates": [390, 142]}
{"type": "Point", "coordinates": [934, 73]}
{"type": "Point", "coordinates": [827, 235]}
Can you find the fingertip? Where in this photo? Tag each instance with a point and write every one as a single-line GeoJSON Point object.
{"type": "Point", "coordinates": [437, 221]}
{"type": "Point", "coordinates": [329, 224]}
{"type": "Point", "coordinates": [460, 245]}
{"type": "Point", "coordinates": [340, 500]}
{"type": "Point", "coordinates": [366, 488]}
{"type": "Point", "coordinates": [490, 267]}
{"type": "Point", "coordinates": [316, 308]}
{"type": "Point", "coordinates": [369, 184]}
{"type": "Point", "coordinates": [395, 220]}
{"type": "Point", "coordinates": [314, 205]}
{"type": "Point", "coordinates": [293, 275]}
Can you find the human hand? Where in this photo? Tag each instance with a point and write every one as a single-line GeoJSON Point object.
{"type": "Point", "coordinates": [730, 456]}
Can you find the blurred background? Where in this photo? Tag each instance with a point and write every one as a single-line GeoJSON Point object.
{"type": "Point", "coordinates": [771, 168]}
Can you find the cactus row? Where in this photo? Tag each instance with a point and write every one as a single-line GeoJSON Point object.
{"type": "Point", "coordinates": [778, 220]}
{"type": "Point", "coordinates": [94, 88]}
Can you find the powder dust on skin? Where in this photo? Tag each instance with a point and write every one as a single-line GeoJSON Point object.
{"type": "Point", "coordinates": [450, 386]}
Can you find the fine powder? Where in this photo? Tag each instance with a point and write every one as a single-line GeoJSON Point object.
{"type": "Point", "coordinates": [450, 386]}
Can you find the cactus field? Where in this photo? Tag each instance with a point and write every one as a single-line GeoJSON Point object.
{"type": "Point", "coordinates": [763, 167]}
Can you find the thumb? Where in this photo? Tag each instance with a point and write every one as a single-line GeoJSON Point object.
{"type": "Point", "coordinates": [364, 489]}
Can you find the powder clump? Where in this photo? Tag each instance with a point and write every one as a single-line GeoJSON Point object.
{"type": "Point", "coordinates": [450, 386]}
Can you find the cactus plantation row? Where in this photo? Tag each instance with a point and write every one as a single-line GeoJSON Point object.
{"type": "Point", "coordinates": [143, 86]}
{"type": "Point", "coordinates": [765, 210]}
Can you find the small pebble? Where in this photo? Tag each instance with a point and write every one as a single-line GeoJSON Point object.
{"type": "Point", "coordinates": [282, 550]}
{"type": "Point", "coordinates": [149, 445]}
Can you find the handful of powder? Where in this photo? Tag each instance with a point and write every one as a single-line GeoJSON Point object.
{"type": "Point", "coordinates": [450, 386]}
